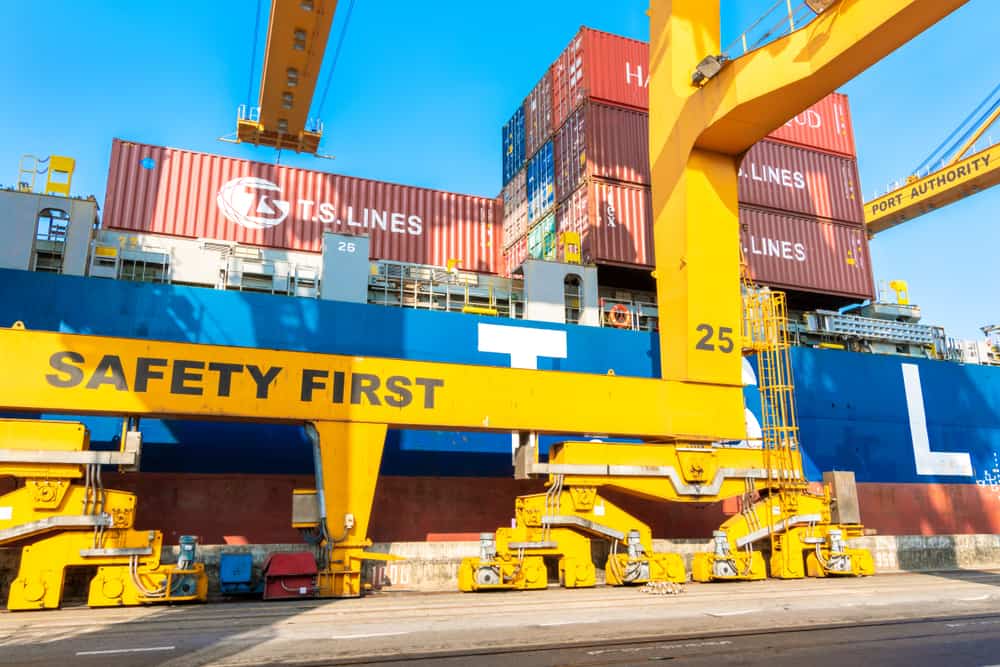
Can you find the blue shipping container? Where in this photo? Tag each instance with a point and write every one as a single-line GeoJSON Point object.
{"type": "Point", "coordinates": [513, 145]}
{"type": "Point", "coordinates": [541, 183]}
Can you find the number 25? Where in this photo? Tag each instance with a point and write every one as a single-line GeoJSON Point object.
{"type": "Point", "coordinates": [725, 339]}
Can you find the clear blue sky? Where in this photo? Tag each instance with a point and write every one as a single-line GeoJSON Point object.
{"type": "Point", "coordinates": [422, 88]}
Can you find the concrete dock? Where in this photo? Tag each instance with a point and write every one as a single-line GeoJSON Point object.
{"type": "Point", "coordinates": [546, 626]}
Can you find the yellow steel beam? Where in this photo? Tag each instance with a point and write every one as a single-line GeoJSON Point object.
{"type": "Point", "coordinates": [78, 374]}
{"type": "Point", "coordinates": [698, 136]}
{"type": "Point", "coordinates": [977, 172]}
{"type": "Point", "coordinates": [297, 33]}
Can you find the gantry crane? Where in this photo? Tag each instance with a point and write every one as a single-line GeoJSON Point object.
{"type": "Point", "coordinates": [704, 114]}
{"type": "Point", "coordinates": [297, 33]}
{"type": "Point", "coordinates": [948, 174]}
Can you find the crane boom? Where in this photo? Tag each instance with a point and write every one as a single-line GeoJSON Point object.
{"type": "Point", "coordinates": [960, 177]}
{"type": "Point", "coordinates": [297, 33]}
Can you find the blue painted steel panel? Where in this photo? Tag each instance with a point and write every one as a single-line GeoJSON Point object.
{"type": "Point", "coordinates": [513, 145]}
{"type": "Point", "coordinates": [541, 183]}
{"type": "Point", "coordinates": [854, 410]}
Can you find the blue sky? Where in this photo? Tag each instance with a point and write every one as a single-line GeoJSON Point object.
{"type": "Point", "coordinates": [421, 90]}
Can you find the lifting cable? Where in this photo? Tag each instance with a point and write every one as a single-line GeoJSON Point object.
{"type": "Point", "coordinates": [957, 136]}
{"type": "Point", "coordinates": [336, 56]}
{"type": "Point", "coordinates": [253, 56]}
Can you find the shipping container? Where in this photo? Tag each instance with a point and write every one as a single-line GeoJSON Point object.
{"type": "Point", "coordinates": [614, 221]}
{"type": "Point", "coordinates": [515, 208]}
{"type": "Point", "coordinates": [604, 142]}
{"type": "Point", "coordinates": [514, 255]}
{"type": "Point", "coordinates": [799, 180]}
{"type": "Point", "coordinates": [541, 183]}
{"type": "Point", "coordinates": [798, 253]}
{"type": "Point", "coordinates": [826, 125]}
{"type": "Point", "coordinates": [175, 192]}
{"type": "Point", "coordinates": [599, 66]}
{"type": "Point", "coordinates": [538, 115]}
{"type": "Point", "coordinates": [614, 69]}
{"type": "Point", "coordinates": [513, 145]}
{"type": "Point", "coordinates": [542, 238]}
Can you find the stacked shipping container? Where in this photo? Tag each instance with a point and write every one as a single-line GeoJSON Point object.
{"type": "Point", "coordinates": [174, 192]}
{"type": "Point", "coordinates": [800, 207]}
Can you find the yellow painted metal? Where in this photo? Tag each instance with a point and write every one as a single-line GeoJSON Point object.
{"type": "Point", "coordinates": [902, 290]}
{"type": "Point", "coordinates": [351, 454]}
{"type": "Point", "coordinates": [297, 34]}
{"type": "Point", "coordinates": [62, 524]}
{"type": "Point", "coordinates": [682, 472]}
{"type": "Point", "coordinates": [77, 374]}
{"type": "Point", "coordinates": [698, 136]}
{"type": "Point", "coordinates": [24, 435]}
{"type": "Point", "coordinates": [968, 176]}
{"type": "Point", "coordinates": [60, 175]}
{"type": "Point", "coordinates": [541, 532]}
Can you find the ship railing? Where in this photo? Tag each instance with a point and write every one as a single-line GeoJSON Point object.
{"type": "Point", "coordinates": [642, 314]}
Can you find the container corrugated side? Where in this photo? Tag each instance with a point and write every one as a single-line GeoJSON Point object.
{"type": "Point", "coordinates": [542, 238]}
{"type": "Point", "coordinates": [600, 66]}
{"type": "Point", "coordinates": [602, 141]}
{"type": "Point", "coordinates": [538, 114]}
{"type": "Point", "coordinates": [799, 180]}
{"type": "Point", "coordinates": [175, 192]}
{"type": "Point", "coordinates": [541, 183]}
{"type": "Point", "coordinates": [614, 221]}
{"type": "Point", "coordinates": [799, 253]}
{"type": "Point", "coordinates": [512, 141]}
{"type": "Point", "coordinates": [825, 125]}
{"type": "Point", "coordinates": [515, 208]}
{"type": "Point", "coordinates": [514, 256]}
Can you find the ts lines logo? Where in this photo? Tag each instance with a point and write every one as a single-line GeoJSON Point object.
{"type": "Point", "coordinates": [252, 203]}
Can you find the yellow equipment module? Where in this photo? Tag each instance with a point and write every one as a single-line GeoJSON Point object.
{"type": "Point", "coordinates": [63, 523]}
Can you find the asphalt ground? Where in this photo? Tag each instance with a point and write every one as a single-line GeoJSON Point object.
{"type": "Point", "coordinates": [908, 619]}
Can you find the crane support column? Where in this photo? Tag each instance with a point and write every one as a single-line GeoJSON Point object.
{"type": "Point", "coordinates": [338, 511]}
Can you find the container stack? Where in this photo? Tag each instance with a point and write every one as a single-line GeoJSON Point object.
{"type": "Point", "coordinates": [586, 159]}
{"type": "Point", "coordinates": [801, 217]}
{"type": "Point", "coordinates": [582, 171]}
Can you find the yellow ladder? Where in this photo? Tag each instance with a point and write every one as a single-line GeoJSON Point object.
{"type": "Point", "coordinates": [765, 334]}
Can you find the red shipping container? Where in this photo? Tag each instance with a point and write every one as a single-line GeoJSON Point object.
{"type": "Point", "coordinates": [604, 142]}
{"type": "Point", "coordinates": [175, 192]}
{"type": "Point", "coordinates": [515, 208]}
{"type": "Point", "coordinates": [799, 180]}
{"type": "Point", "coordinates": [514, 255]}
{"type": "Point", "coordinates": [615, 223]}
{"type": "Point", "coordinates": [794, 252]}
{"type": "Point", "coordinates": [538, 115]}
{"type": "Point", "coordinates": [600, 66]}
{"type": "Point", "coordinates": [825, 125]}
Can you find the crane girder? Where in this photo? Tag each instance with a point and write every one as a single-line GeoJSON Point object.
{"type": "Point", "coordinates": [973, 174]}
{"type": "Point", "coordinates": [297, 34]}
{"type": "Point", "coordinates": [82, 374]}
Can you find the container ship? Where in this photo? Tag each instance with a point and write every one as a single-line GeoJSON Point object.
{"type": "Point", "coordinates": [553, 273]}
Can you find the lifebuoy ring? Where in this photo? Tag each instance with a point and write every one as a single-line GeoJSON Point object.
{"type": "Point", "coordinates": [620, 317]}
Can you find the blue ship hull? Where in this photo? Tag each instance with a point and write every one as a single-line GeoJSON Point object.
{"type": "Point", "coordinates": [892, 420]}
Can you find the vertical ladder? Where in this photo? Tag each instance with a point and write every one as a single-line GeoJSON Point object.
{"type": "Point", "coordinates": [765, 334]}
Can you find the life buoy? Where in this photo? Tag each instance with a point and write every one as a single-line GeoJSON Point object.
{"type": "Point", "coordinates": [620, 316]}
